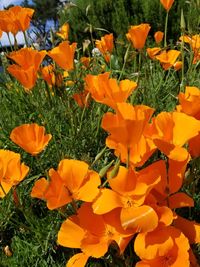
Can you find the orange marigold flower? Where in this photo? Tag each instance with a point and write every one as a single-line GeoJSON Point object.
{"type": "Point", "coordinates": [64, 31]}
{"type": "Point", "coordinates": [105, 45]}
{"type": "Point", "coordinates": [168, 58]}
{"type": "Point", "coordinates": [25, 71]}
{"type": "Point", "coordinates": [158, 36]}
{"type": "Point", "coordinates": [30, 137]}
{"type": "Point", "coordinates": [138, 35]}
{"type": "Point", "coordinates": [108, 91]}
{"type": "Point", "coordinates": [12, 172]}
{"type": "Point", "coordinates": [63, 55]}
{"type": "Point", "coordinates": [92, 233]}
{"type": "Point", "coordinates": [127, 128]}
{"type": "Point", "coordinates": [166, 246]}
{"type": "Point", "coordinates": [72, 181]}
{"type": "Point", "coordinates": [153, 52]}
{"type": "Point", "coordinates": [167, 4]}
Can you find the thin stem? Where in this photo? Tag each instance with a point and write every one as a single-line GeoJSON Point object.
{"type": "Point", "coordinates": [125, 59]}
{"type": "Point", "coordinates": [25, 39]}
{"type": "Point", "coordinates": [166, 22]}
{"type": "Point", "coordinates": [10, 42]}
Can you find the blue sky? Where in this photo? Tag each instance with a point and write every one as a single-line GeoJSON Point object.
{"type": "Point", "coordinates": [4, 39]}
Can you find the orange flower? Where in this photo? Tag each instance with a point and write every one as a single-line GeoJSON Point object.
{"type": "Point", "coordinates": [72, 181]}
{"type": "Point", "coordinates": [178, 65]}
{"type": "Point", "coordinates": [105, 45]}
{"type": "Point", "coordinates": [85, 61]}
{"type": "Point", "coordinates": [81, 99]}
{"type": "Point", "coordinates": [30, 137]}
{"type": "Point", "coordinates": [22, 17]}
{"type": "Point", "coordinates": [64, 31]}
{"type": "Point", "coordinates": [12, 172]}
{"type": "Point", "coordinates": [25, 71]}
{"type": "Point", "coordinates": [194, 43]}
{"type": "Point", "coordinates": [63, 55]}
{"type": "Point", "coordinates": [167, 4]}
{"type": "Point", "coordinates": [158, 36]}
{"type": "Point", "coordinates": [190, 102]}
{"type": "Point", "coordinates": [1, 33]}
{"type": "Point", "coordinates": [92, 233]}
{"type": "Point", "coordinates": [15, 19]}
{"type": "Point", "coordinates": [162, 247]}
{"type": "Point", "coordinates": [126, 130]}
{"type": "Point", "coordinates": [48, 74]}
{"type": "Point", "coordinates": [170, 131]}
{"type": "Point", "coordinates": [168, 58]}
{"type": "Point", "coordinates": [153, 52]}
{"type": "Point", "coordinates": [129, 191]}
{"type": "Point", "coordinates": [138, 35]}
{"type": "Point", "coordinates": [108, 91]}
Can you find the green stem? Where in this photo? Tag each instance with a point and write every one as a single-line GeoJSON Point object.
{"type": "Point", "coordinates": [182, 85]}
{"type": "Point", "coordinates": [166, 22]}
{"type": "Point", "coordinates": [10, 42]}
{"type": "Point", "coordinates": [25, 39]}
{"type": "Point", "coordinates": [125, 59]}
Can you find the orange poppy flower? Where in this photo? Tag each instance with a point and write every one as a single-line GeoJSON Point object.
{"type": "Point", "coordinates": [153, 52]}
{"type": "Point", "coordinates": [129, 191]}
{"type": "Point", "coordinates": [25, 71]}
{"type": "Point", "coordinates": [82, 98]}
{"type": "Point", "coordinates": [108, 91]}
{"type": "Point", "coordinates": [22, 17]}
{"type": "Point", "coordinates": [12, 172]}
{"type": "Point", "coordinates": [85, 61]}
{"type": "Point", "coordinates": [48, 74]}
{"type": "Point", "coordinates": [72, 181]}
{"type": "Point", "coordinates": [166, 246]}
{"type": "Point", "coordinates": [30, 137]}
{"type": "Point", "coordinates": [64, 31]}
{"type": "Point", "coordinates": [168, 58]}
{"type": "Point", "coordinates": [138, 35]}
{"type": "Point", "coordinates": [105, 45]}
{"type": "Point", "coordinates": [15, 19]}
{"type": "Point", "coordinates": [190, 102]}
{"type": "Point", "coordinates": [92, 233]}
{"type": "Point", "coordinates": [178, 65]}
{"type": "Point", "coordinates": [194, 42]}
{"type": "Point", "coordinates": [158, 36]}
{"type": "Point", "coordinates": [127, 129]}
{"type": "Point", "coordinates": [1, 33]}
{"type": "Point", "coordinates": [63, 55]}
{"type": "Point", "coordinates": [167, 4]}
{"type": "Point", "coordinates": [170, 131]}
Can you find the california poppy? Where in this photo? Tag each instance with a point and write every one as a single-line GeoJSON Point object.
{"type": "Point", "coordinates": [194, 42]}
{"type": "Point", "coordinates": [92, 233]}
{"type": "Point", "coordinates": [72, 181]}
{"type": "Point", "coordinates": [166, 246]}
{"type": "Point", "coordinates": [107, 90]}
{"type": "Point", "coordinates": [64, 31]}
{"type": "Point", "coordinates": [170, 131]}
{"type": "Point", "coordinates": [63, 55]}
{"type": "Point", "coordinates": [82, 98]}
{"type": "Point", "coordinates": [158, 36]}
{"type": "Point", "coordinates": [168, 58]}
{"type": "Point", "coordinates": [138, 35]}
{"type": "Point", "coordinates": [30, 137]}
{"type": "Point", "coordinates": [127, 128]}
{"type": "Point", "coordinates": [48, 74]}
{"type": "Point", "coordinates": [128, 192]}
{"type": "Point", "coordinates": [105, 45]}
{"type": "Point", "coordinates": [12, 172]}
{"type": "Point", "coordinates": [153, 52]}
{"type": "Point", "coordinates": [167, 4]}
{"type": "Point", "coordinates": [25, 71]}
